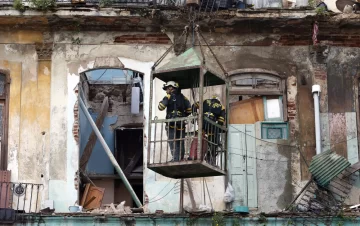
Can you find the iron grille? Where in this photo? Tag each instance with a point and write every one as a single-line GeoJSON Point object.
{"type": "Point", "coordinates": [22, 197]}
{"type": "Point", "coordinates": [274, 130]}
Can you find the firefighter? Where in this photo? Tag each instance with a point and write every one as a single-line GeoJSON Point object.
{"type": "Point", "coordinates": [214, 111]}
{"type": "Point", "coordinates": [177, 106]}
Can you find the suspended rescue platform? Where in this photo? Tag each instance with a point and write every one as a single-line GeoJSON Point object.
{"type": "Point", "coordinates": [200, 76]}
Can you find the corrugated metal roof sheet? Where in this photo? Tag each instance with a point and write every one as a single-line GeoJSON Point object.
{"type": "Point", "coordinates": [326, 166]}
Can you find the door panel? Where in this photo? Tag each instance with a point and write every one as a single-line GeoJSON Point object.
{"type": "Point", "coordinates": [242, 164]}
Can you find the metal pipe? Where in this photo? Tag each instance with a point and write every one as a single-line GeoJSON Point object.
{"type": "Point", "coordinates": [201, 116]}
{"type": "Point", "coordinates": [111, 156]}
{"type": "Point", "coordinates": [316, 95]}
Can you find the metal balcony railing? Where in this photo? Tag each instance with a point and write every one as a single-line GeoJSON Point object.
{"type": "Point", "coordinates": [22, 197]}
{"type": "Point", "coordinates": [167, 146]}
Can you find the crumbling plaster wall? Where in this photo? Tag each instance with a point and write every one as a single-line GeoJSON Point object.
{"type": "Point", "coordinates": [29, 113]}
{"type": "Point", "coordinates": [59, 162]}
{"type": "Point", "coordinates": [133, 57]}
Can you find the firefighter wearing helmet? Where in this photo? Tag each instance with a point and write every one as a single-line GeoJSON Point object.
{"type": "Point", "coordinates": [213, 111]}
{"type": "Point", "coordinates": [177, 106]}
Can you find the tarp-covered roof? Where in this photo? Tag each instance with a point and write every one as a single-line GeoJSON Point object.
{"type": "Point", "coordinates": [185, 69]}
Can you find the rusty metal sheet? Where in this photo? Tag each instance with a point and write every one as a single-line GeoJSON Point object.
{"type": "Point", "coordinates": [340, 84]}
{"type": "Point", "coordinates": [5, 192]}
{"type": "Point", "coordinates": [307, 128]}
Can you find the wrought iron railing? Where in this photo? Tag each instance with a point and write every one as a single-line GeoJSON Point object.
{"type": "Point", "coordinates": [167, 146]}
{"type": "Point", "coordinates": [22, 197]}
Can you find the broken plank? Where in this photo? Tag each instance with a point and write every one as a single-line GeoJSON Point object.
{"type": "Point", "coordinates": [85, 157]}
{"type": "Point", "coordinates": [93, 198]}
{"type": "Point", "coordinates": [130, 167]}
{"type": "Point", "coordinates": [354, 168]}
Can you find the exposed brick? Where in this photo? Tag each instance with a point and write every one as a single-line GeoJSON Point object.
{"type": "Point", "coordinates": [144, 39]}
{"type": "Point", "coordinates": [75, 129]}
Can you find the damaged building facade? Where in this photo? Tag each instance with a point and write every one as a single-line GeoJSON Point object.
{"type": "Point", "coordinates": [104, 56]}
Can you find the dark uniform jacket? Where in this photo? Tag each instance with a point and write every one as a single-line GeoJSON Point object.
{"type": "Point", "coordinates": [213, 110]}
{"type": "Point", "coordinates": [177, 105]}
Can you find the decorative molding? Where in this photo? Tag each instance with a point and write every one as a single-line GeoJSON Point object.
{"type": "Point", "coordinates": [44, 51]}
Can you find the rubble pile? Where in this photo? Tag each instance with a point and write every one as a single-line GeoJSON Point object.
{"type": "Point", "coordinates": [112, 209]}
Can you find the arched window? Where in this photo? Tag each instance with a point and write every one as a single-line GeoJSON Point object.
{"type": "Point", "coordinates": [259, 96]}
{"type": "Point", "coordinates": [257, 83]}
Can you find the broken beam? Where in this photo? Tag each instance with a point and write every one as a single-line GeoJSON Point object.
{"type": "Point", "coordinates": [110, 154]}
{"type": "Point", "coordinates": [85, 157]}
{"type": "Point", "coordinates": [130, 167]}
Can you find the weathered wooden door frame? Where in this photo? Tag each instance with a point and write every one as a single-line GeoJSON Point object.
{"type": "Point", "coordinates": [5, 100]}
{"type": "Point", "coordinates": [245, 145]}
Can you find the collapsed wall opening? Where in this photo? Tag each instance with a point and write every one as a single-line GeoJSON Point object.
{"type": "Point", "coordinates": [113, 98]}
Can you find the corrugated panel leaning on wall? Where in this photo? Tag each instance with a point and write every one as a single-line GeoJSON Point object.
{"type": "Point", "coordinates": [326, 166]}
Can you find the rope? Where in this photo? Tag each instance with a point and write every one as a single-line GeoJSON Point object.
{"type": "Point", "coordinates": [217, 60]}
{"type": "Point", "coordinates": [198, 35]}
{"type": "Point", "coordinates": [170, 48]}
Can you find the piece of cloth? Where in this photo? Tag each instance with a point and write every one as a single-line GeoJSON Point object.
{"type": "Point", "coordinates": [177, 147]}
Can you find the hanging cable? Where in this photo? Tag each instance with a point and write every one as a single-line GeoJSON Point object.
{"type": "Point", "coordinates": [209, 195]}
{"type": "Point", "coordinates": [170, 48]}
{"type": "Point", "coordinates": [165, 194]}
{"type": "Point", "coordinates": [217, 60]}
{"type": "Point", "coordinates": [288, 145]}
{"type": "Point", "coordinates": [198, 36]}
{"type": "Point", "coordinates": [162, 190]}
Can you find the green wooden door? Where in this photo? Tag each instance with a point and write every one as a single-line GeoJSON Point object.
{"type": "Point", "coordinates": [242, 164]}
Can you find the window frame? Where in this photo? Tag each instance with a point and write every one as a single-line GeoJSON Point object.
{"type": "Point", "coordinates": [285, 136]}
{"type": "Point", "coordinates": [4, 140]}
{"type": "Point", "coordinates": [281, 106]}
{"type": "Point", "coordinates": [260, 73]}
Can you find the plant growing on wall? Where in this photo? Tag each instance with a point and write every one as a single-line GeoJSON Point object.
{"type": "Point", "coordinates": [105, 3]}
{"type": "Point", "coordinates": [43, 5]}
{"type": "Point", "coordinates": [191, 221]}
{"type": "Point", "coordinates": [262, 219]}
{"type": "Point", "coordinates": [236, 223]}
{"type": "Point", "coordinates": [321, 11]}
{"type": "Point", "coordinates": [19, 5]}
{"type": "Point", "coordinates": [218, 219]}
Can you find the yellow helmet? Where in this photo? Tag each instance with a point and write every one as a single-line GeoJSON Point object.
{"type": "Point", "coordinates": [171, 83]}
{"type": "Point", "coordinates": [215, 96]}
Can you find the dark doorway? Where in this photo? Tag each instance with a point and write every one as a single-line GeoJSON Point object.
{"type": "Point", "coordinates": [129, 154]}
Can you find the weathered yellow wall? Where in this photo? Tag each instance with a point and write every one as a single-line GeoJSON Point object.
{"type": "Point", "coordinates": [21, 37]}
{"type": "Point", "coordinates": [43, 116]}
{"type": "Point", "coordinates": [29, 106]}
{"type": "Point", "coordinates": [29, 118]}
{"type": "Point", "coordinates": [15, 69]}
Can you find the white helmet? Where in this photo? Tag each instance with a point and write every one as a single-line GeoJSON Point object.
{"type": "Point", "coordinates": [171, 83]}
